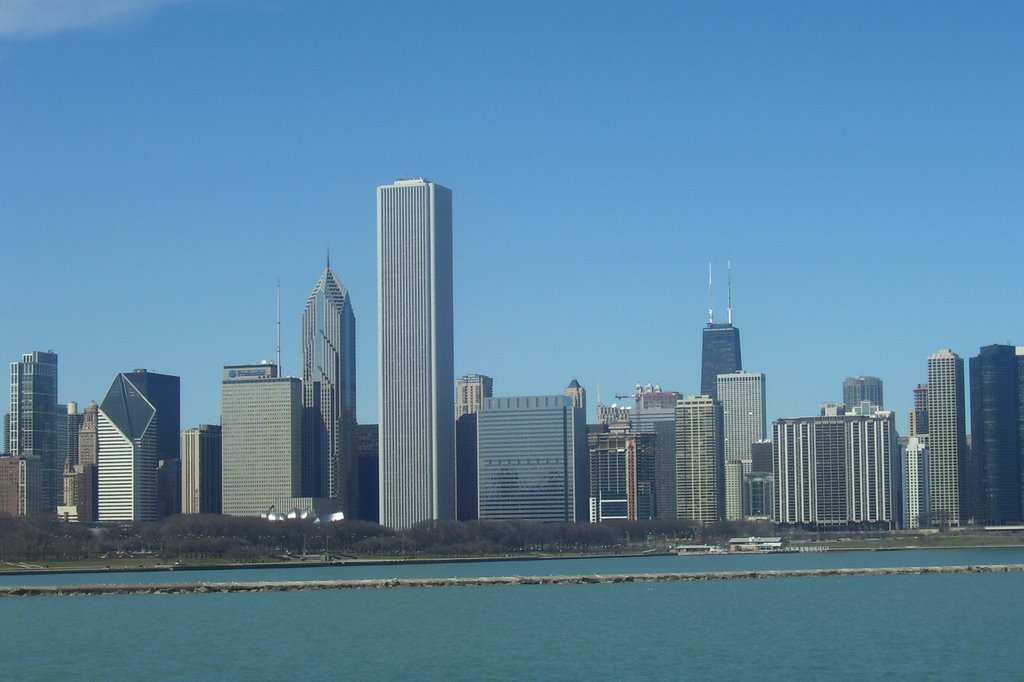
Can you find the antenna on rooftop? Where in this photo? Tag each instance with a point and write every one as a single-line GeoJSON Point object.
{"type": "Point", "coordinates": [711, 314]}
{"type": "Point", "coordinates": [279, 373]}
{"type": "Point", "coordinates": [729, 270]}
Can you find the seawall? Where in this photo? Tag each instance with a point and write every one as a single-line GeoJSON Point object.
{"type": "Point", "coordinates": [295, 585]}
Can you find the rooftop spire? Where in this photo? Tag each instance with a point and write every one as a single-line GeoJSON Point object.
{"type": "Point", "coordinates": [729, 270]}
{"type": "Point", "coordinates": [711, 314]}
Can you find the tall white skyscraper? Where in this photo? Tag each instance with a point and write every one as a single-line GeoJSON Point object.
{"type": "Point", "coordinates": [329, 393]}
{"type": "Point", "coordinates": [742, 398]}
{"type": "Point", "coordinates": [416, 364]}
{"type": "Point", "coordinates": [947, 440]}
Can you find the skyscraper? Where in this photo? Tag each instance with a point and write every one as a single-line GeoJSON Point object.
{"type": "Point", "coordinates": [470, 392]}
{"type": "Point", "coordinates": [700, 466]}
{"type": "Point", "coordinates": [743, 419]}
{"type": "Point", "coordinates": [128, 434]}
{"type": "Point", "coordinates": [261, 439]}
{"type": "Point", "coordinates": [416, 363]}
{"type": "Point", "coordinates": [35, 426]}
{"type": "Point", "coordinates": [997, 421]}
{"type": "Point", "coordinates": [919, 415]}
{"type": "Point", "coordinates": [720, 354]}
{"type": "Point", "coordinates": [329, 462]}
{"type": "Point", "coordinates": [947, 439]}
{"type": "Point", "coordinates": [621, 474]}
{"type": "Point", "coordinates": [201, 469]}
{"type": "Point", "coordinates": [578, 394]}
{"type": "Point", "coordinates": [656, 413]}
{"type": "Point", "coordinates": [836, 469]}
{"type": "Point", "coordinates": [860, 389]}
{"type": "Point", "coordinates": [532, 459]}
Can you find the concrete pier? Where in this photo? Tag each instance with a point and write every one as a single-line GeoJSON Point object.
{"type": "Point", "coordinates": [286, 586]}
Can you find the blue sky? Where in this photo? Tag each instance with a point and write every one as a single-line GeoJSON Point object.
{"type": "Point", "coordinates": [163, 164]}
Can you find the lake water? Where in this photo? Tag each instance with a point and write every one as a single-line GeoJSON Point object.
{"type": "Point", "coordinates": [961, 626]}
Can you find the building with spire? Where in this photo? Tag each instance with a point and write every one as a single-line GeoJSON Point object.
{"type": "Point", "coordinates": [329, 461]}
{"type": "Point", "coordinates": [720, 346]}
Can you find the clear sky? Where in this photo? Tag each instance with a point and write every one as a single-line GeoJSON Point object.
{"type": "Point", "coordinates": [163, 164]}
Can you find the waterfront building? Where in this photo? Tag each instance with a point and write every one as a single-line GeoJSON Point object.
{"type": "Point", "coordinates": [916, 507]}
{"type": "Point", "coordinates": [759, 497]}
{"type": "Point", "coordinates": [329, 458]}
{"type": "Point", "coordinates": [621, 475]}
{"type": "Point", "coordinates": [997, 421]}
{"type": "Point", "coordinates": [261, 439]}
{"type": "Point", "coordinates": [578, 394]}
{"type": "Point", "coordinates": [700, 465]}
{"type": "Point", "coordinates": [735, 470]}
{"type": "Point", "coordinates": [860, 389]}
{"type": "Point", "coordinates": [470, 391]}
{"type": "Point", "coordinates": [37, 423]}
{"type": "Point", "coordinates": [85, 479]}
{"type": "Point", "coordinates": [947, 439]}
{"type": "Point", "coordinates": [531, 454]}
{"type": "Point", "coordinates": [836, 469]}
{"type": "Point", "coordinates": [201, 469]}
{"type": "Point", "coordinates": [656, 413]}
{"type": "Point", "coordinates": [416, 363]}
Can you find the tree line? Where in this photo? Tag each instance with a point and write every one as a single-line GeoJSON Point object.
{"type": "Point", "coordinates": [214, 537]}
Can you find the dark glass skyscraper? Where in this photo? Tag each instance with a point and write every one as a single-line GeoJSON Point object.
{"type": "Point", "coordinates": [329, 462]}
{"type": "Point", "coordinates": [720, 354]}
{"type": "Point", "coordinates": [997, 390]}
{"type": "Point", "coordinates": [860, 389]}
{"type": "Point", "coordinates": [34, 430]}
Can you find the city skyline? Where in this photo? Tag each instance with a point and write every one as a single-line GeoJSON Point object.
{"type": "Point", "coordinates": [711, 105]}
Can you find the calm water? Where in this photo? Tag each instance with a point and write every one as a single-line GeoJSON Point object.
{"type": "Point", "coordinates": [888, 627]}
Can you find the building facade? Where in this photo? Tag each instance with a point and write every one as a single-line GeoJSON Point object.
{"type": "Point", "coordinates": [201, 470]}
{"type": "Point", "coordinates": [700, 461]}
{"type": "Point", "coordinates": [857, 390]}
{"type": "Point", "coordinates": [997, 434]}
{"type": "Point", "coordinates": [947, 439]}
{"type": "Point", "coordinates": [127, 451]}
{"type": "Point", "coordinates": [836, 470]}
{"type": "Point", "coordinates": [531, 454]}
{"type": "Point", "coordinates": [470, 391]}
{"type": "Point", "coordinates": [743, 418]}
{"type": "Point", "coordinates": [720, 354]}
{"type": "Point", "coordinates": [329, 460]}
{"type": "Point", "coordinates": [621, 476]}
{"type": "Point", "coordinates": [261, 439]}
{"type": "Point", "coordinates": [656, 413]}
{"type": "Point", "coordinates": [36, 424]}
{"type": "Point", "coordinates": [916, 505]}
{"type": "Point", "coordinates": [415, 346]}
{"type": "Point", "coordinates": [578, 394]}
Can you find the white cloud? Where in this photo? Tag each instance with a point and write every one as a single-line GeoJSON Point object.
{"type": "Point", "coordinates": [31, 18]}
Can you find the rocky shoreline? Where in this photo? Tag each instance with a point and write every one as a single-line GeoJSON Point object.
{"type": "Point", "coordinates": [300, 585]}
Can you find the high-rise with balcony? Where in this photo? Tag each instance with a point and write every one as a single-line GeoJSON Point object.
{"type": "Point", "coordinates": [700, 467]}
{"type": "Point", "coordinates": [414, 342]}
{"type": "Point", "coordinates": [329, 461]}
{"type": "Point", "coordinates": [947, 439]}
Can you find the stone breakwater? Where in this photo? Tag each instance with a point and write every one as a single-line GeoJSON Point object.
{"type": "Point", "coordinates": [295, 585]}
